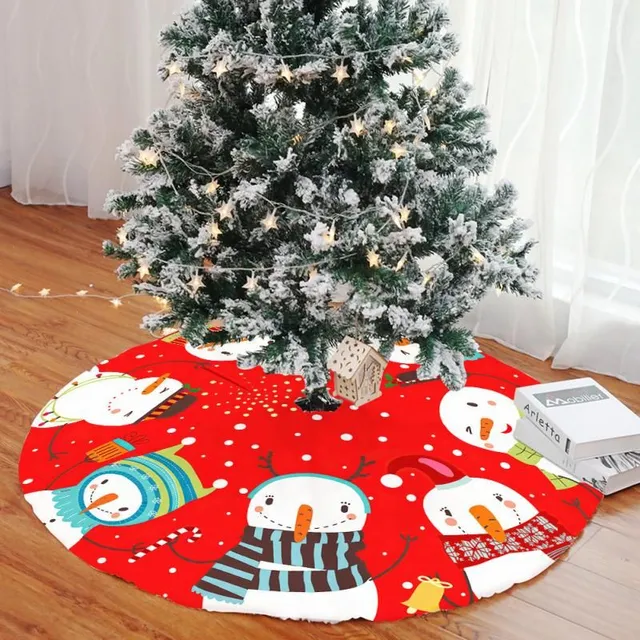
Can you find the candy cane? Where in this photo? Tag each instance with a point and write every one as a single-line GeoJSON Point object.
{"type": "Point", "coordinates": [195, 534]}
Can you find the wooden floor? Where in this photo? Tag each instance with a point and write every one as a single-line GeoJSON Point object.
{"type": "Point", "coordinates": [594, 592]}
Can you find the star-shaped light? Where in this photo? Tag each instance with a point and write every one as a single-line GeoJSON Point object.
{"type": "Point", "coordinates": [173, 68]}
{"type": "Point", "coordinates": [164, 304]}
{"type": "Point", "coordinates": [427, 121]}
{"type": "Point", "coordinates": [221, 68]}
{"type": "Point", "coordinates": [195, 284]}
{"type": "Point", "coordinates": [122, 235]}
{"type": "Point", "coordinates": [404, 213]}
{"type": "Point", "coordinates": [225, 210]}
{"type": "Point", "coordinates": [397, 220]}
{"type": "Point", "coordinates": [270, 222]}
{"type": "Point", "coordinates": [402, 262]}
{"type": "Point", "coordinates": [389, 126]}
{"type": "Point", "coordinates": [330, 236]}
{"type": "Point", "coordinates": [82, 293]}
{"type": "Point", "coordinates": [313, 272]}
{"type": "Point", "coordinates": [251, 283]}
{"type": "Point", "coordinates": [398, 151]}
{"type": "Point", "coordinates": [419, 76]}
{"type": "Point", "coordinates": [286, 73]}
{"type": "Point", "coordinates": [341, 73]}
{"type": "Point", "coordinates": [44, 292]}
{"type": "Point", "coordinates": [357, 127]}
{"type": "Point", "coordinates": [215, 231]}
{"type": "Point", "coordinates": [407, 59]}
{"type": "Point", "coordinates": [212, 187]}
{"type": "Point", "coordinates": [477, 257]}
{"type": "Point", "coordinates": [16, 287]}
{"type": "Point", "coordinates": [116, 302]}
{"type": "Point", "coordinates": [143, 269]}
{"type": "Point", "coordinates": [182, 90]}
{"type": "Point", "coordinates": [433, 92]}
{"type": "Point", "coordinates": [373, 258]}
{"type": "Point", "coordinates": [149, 157]}
{"type": "Point", "coordinates": [428, 278]}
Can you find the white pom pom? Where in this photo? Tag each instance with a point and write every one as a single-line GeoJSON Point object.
{"type": "Point", "coordinates": [391, 480]}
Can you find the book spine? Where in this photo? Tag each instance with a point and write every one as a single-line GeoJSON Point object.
{"type": "Point", "coordinates": [532, 411]}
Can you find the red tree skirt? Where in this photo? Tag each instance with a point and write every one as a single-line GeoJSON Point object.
{"type": "Point", "coordinates": [206, 485]}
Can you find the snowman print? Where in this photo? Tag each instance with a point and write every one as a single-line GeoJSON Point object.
{"type": "Point", "coordinates": [299, 554]}
{"type": "Point", "coordinates": [227, 352]}
{"type": "Point", "coordinates": [124, 493]}
{"type": "Point", "coordinates": [486, 419]}
{"type": "Point", "coordinates": [491, 532]}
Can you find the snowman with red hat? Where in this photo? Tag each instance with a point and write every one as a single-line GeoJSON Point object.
{"type": "Point", "coordinates": [488, 530]}
{"type": "Point", "coordinates": [486, 419]}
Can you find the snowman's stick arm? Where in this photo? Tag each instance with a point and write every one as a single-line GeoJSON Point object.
{"type": "Point", "coordinates": [408, 541]}
{"type": "Point", "coordinates": [110, 548]}
{"type": "Point", "coordinates": [52, 454]}
{"type": "Point", "coordinates": [62, 473]}
{"type": "Point", "coordinates": [191, 560]}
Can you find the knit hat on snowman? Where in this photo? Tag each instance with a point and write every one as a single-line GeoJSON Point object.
{"type": "Point", "coordinates": [438, 472]}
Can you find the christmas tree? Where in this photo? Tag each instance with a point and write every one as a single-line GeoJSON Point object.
{"type": "Point", "coordinates": [316, 176]}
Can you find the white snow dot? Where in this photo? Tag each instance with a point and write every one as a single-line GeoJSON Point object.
{"type": "Point", "coordinates": [240, 426]}
{"type": "Point", "coordinates": [346, 437]}
{"type": "Point", "coordinates": [221, 543]}
{"type": "Point", "coordinates": [422, 528]}
{"type": "Point", "coordinates": [384, 414]}
{"type": "Point", "coordinates": [188, 441]}
{"type": "Point", "coordinates": [306, 457]}
{"type": "Point", "coordinates": [428, 398]}
{"type": "Point", "coordinates": [131, 560]}
{"type": "Point", "coordinates": [140, 356]}
{"type": "Point", "coordinates": [228, 443]}
{"type": "Point", "coordinates": [104, 361]}
{"type": "Point", "coordinates": [101, 560]}
{"type": "Point", "coordinates": [428, 447]}
{"type": "Point", "coordinates": [73, 442]}
{"type": "Point", "coordinates": [297, 434]}
{"type": "Point", "coordinates": [505, 465]}
{"type": "Point", "coordinates": [482, 469]}
{"type": "Point", "coordinates": [353, 407]}
{"type": "Point", "coordinates": [116, 536]}
{"type": "Point", "coordinates": [391, 480]}
{"type": "Point", "coordinates": [220, 483]}
{"type": "Point", "coordinates": [463, 594]}
{"type": "Point", "coordinates": [316, 416]}
{"type": "Point", "coordinates": [457, 452]}
{"type": "Point", "coordinates": [404, 366]}
{"type": "Point", "coordinates": [164, 595]}
{"type": "Point", "coordinates": [384, 553]}
{"type": "Point", "coordinates": [205, 406]}
{"type": "Point", "coordinates": [382, 438]}
{"type": "Point", "coordinates": [228, 463]}
{"type": "Point", "coordinates": [34, 450]}
{"type": "Point", "coordinates": [515, 375]}
{"type": "Point", "coordinates": [255, 446]}
{"type": "Point", "coordinates": [173, 570]}
{"type": "Point", "coordinates": [433, 435]}
{"type": "Point", "coordinates": [27, 481]}
{"type": "Point", "coordinates": [531, 495]}
{"type": "Point", "coordinates": [243, 491]}
{"type": "Point", "coordinates": [171, 430]}
{"type": "Point", "coordinates": [407, 585]}
{"type": "Point", "coordinates": [411, 497]}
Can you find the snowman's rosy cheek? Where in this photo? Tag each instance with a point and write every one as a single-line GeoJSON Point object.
{"type": "Point", "coordinates": [510, 504]}
{"type": "Point", "coordinates": [351, 516]}
{"type": "Point", "coordinates": [452, 522]}
{"type": "Point", "coordinates": [115, 516]}
{"type": "Point", "coordinates": [491, 403]}
{"type": "Point", "coordinates": [259, 509]}
{"type": "Point", "coordinates": [488, 445]}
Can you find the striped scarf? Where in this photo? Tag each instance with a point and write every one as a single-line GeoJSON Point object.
{"type": "Point", "coordinates": [330, 563]}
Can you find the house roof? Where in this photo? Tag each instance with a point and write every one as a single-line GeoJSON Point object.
{"type": "Point", "coordinates": [350, 355]}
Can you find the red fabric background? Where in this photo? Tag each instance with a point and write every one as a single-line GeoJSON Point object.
{"type": "Point", "coordinates": [225, 395]}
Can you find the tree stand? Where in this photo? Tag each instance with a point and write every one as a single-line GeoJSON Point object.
{"type": "Point", "coordinates": [318, 399]}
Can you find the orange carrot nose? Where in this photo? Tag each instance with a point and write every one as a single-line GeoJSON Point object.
{"type": "Point", "coordinates": [154, 385]}
{"type": "Point", "coordinates": [486, 424]}
{"type": "Point", "coordinates": [488, 522]}
{"type": "Point", "coordinates": [303, 522]}
{"type": "Point", "coordinates": [105, 499]}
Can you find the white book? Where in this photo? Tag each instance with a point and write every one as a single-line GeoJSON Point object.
{"type": "Point", "coordinates": [581, 417]}
{"type": "Point", "coordinates": [606, 473]}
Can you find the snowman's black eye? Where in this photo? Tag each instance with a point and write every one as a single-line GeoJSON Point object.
{"type": "Point", "coordinates": [447, 512]}
{"type": "Point", "coordinates": [498, 497]}
{"type": "Point", "coordinates": [123, 509]}
{"type": "Point", "coordinates": [226, 353]}
{"type": "Point", "coordinates": [269, 501]}
{"type": "Point", "coordinates": [472, 404]}
{"type": "Point", "coordinates": [126, 415]}
{"type": "Point", "coordinates": [105, 481]}
{"type": "Point", "coordinates": [468, 429]}
{"type": "Point", "coordinates": [344, 508]}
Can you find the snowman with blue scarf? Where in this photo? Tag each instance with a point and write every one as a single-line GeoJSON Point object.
{"type": "Point", "coordinates": [299, 555]}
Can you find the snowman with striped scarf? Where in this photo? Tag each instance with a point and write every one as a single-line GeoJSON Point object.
{"type": "Point", "coordinates": [298, 557]}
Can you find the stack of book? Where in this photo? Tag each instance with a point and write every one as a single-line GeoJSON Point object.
{"type": "Point", "coordinates": [579, 426]}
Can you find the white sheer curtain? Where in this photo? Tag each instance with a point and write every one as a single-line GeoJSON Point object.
{"type": "Point", "coordinates": [76, 76]}
{"type": "Point", "coordinates": [560, 80]}
{"type": "Point", "coordinates": [558, 76]}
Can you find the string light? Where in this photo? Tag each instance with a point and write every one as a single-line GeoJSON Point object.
{"type": "Point", "coordinates": [215, 231]}
{"type": "Point", "coordinates": [357, 127]}
{"type": "Point", "coordinates": [82, 293]}
{"type": "Point", "coordinates": [373, 258]}
{"type": "Point", "coordinates": [313, 272]}
{"type": "Point", "coordinates": [402, 262]}
{"type": "Point", "coordinates": [143, 269]}
{"type": "Point", "coordinates": [116, 302]}
{"type": "Point", "coordinates": [44, 292]}
{"type": "Point", "coordinates": [419, 77]}
{"type": "Point", "coordinates": [395, 217]}
{"type": "Point", "coordinates": [404, 213]}
{"type": "Point", "coordinates": [251, 283]}
{"type": "Point", "coordinates": [122, 235]}
{"type": "Point", "coordinates": [149, 157]}
{"type": "Point", "coordinates": [286, 73]}
{"type": "Point", "coordinates": [221, 68]}
{"type": "Point", "coordinates": [270, 222]}
{"type": "Point", "coordinates": [195, 284]}
{"type": "Point", "coordinates": [330, 237]}
{"type": "Point", "coordinates": [212, 187]}
{"type": "Point", "coordinates": [477, 257]}
{"type": "Point", "coordinates": [398, 151]}
{"type": "Point", "coordinates": [389, 126]}
{"type": "Point", "coordinates": [164, 304]}
{"type": "Point", "coordinates": [173, 68]}
{"type": "Point", "coordinates": [341, 73]}
{"type": "Point", "coordinates": [225, 210]}
{"type": "Point", "coordinates": [16, 287]}
{"type": "Point", "coordinates": [428, 278]}
{"type": "Point", "coordinates": [427, 122]}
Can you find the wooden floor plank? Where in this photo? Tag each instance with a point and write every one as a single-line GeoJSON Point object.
{"type": "Point", "coordinates": [46, 593]}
